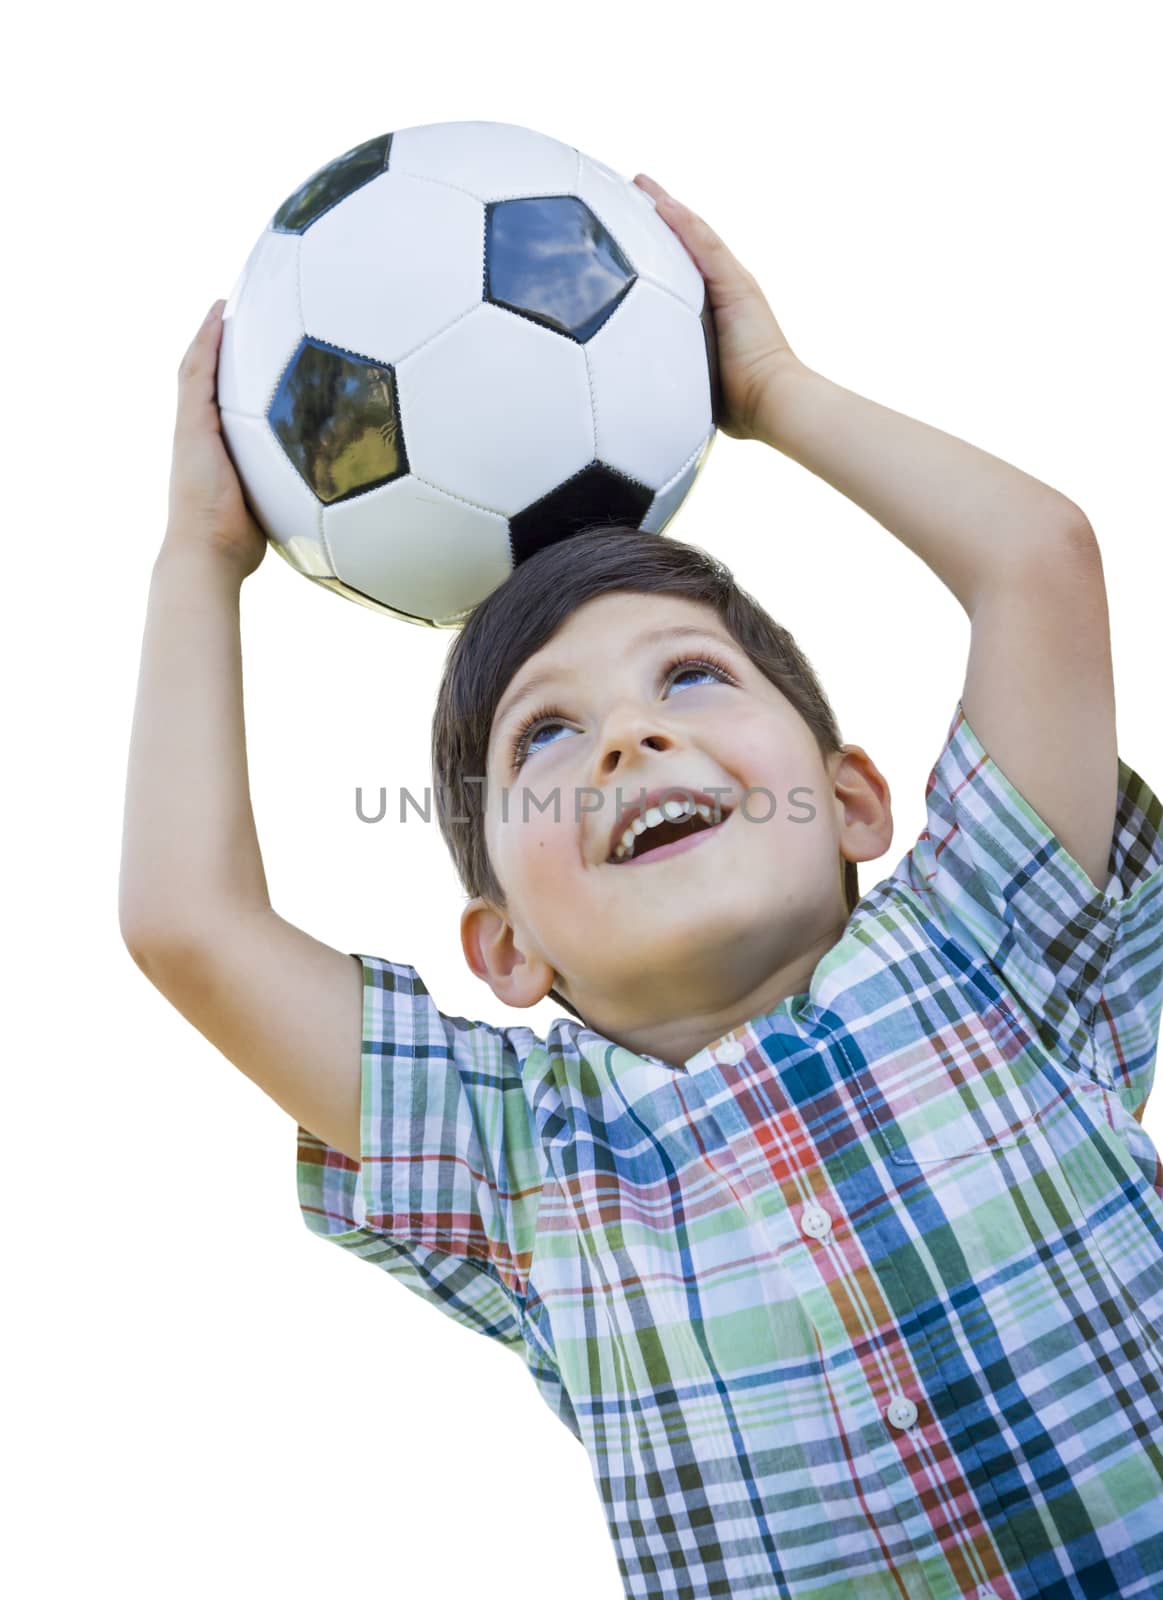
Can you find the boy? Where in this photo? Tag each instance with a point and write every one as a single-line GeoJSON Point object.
{"type": "Point", "coordinates": [827, 1224]}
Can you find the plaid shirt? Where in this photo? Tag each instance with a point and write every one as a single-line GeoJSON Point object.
{"type": "Point", "coordinates": [866, 1299]}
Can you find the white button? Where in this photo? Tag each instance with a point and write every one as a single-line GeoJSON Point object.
{"type": "Point", "coordinates": [816, 1221]}
{"type": "Point", "coordinates": [987, 1594]}
{"type": "Point", "coordinates": [902, 1413]}
{"type": "Point", "coordinates": [730, 1051]}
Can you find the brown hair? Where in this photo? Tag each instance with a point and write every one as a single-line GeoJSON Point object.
{"type": "Point", "coordinates": [519, 616]}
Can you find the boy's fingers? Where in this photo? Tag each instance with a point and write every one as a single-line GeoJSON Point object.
{"type": "Point", "coordinates": [197, 370]}
{"type": "Point", "coordinates": [718, 266]}
{"type": "Point", "coordinates": [204, 340]}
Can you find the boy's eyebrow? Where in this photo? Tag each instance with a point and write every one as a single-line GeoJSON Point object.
{"type": "Point", "coordinates": [540, 679]}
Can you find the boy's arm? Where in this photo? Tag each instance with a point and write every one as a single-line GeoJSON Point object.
{"type": "Point", "coordinates": [189, 848]}
{"type": "Point", "coordinates": [974, 520]}
{"type": "Point", "coordinates": [1025, 566]}
{"type": "Point", "coordinates": [286, 1009]}
{"type": "Point", "coordinates": [192, 898]}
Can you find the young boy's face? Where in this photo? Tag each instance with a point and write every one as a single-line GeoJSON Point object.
{"type": "Point", "coordinates": [655, 950]}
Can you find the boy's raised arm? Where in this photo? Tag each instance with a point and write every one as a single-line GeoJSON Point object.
{"type": "Point", "coordinates": [193, 904]}
{"type": "Point", "coordinates": [189, 847]}
{"type": "Point", "coordinates": [976, 521]}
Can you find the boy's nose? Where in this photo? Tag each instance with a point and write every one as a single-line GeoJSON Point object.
{"type": "Point", "coordinates": [630, 727]}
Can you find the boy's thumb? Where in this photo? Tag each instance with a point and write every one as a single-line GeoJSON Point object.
{"type": "Point", "coordinates": [196, 373]}
{"type": "Point", "coordinates": [725, 274]}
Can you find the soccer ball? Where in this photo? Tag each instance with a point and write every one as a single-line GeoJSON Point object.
{"type": "Point", "coordinates": [452, 346]}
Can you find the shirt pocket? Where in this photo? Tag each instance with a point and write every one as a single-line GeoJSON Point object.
{"type": "Point", "coordinates": [952, 1092]}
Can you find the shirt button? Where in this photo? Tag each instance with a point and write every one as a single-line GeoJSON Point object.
{"type": "Point", "coordinates": [816, 1222]}
{"type": "Point", "coordinates": [902, 1413]}
{"type": "Point", "coordinates": [729, 1052]}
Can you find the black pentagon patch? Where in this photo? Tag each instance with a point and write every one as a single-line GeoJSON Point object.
{"type": "Point", "coordinates": [338, 419]}
{"type": "Point", "coordinates": [331, 184]}
{"type": "Point", "coordinates": [597, 494]}
{"type": "Point", "coordinates": [550, 259]}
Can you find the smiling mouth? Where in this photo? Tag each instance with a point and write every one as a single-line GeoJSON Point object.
{"type": "Point", "coordinates": [669, 839]}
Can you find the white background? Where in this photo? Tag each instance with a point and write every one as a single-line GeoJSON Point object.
{"type": "Point", "coordinates": [953, 210]}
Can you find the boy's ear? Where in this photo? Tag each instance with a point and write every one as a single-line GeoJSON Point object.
{"type": "Point", "coordinates": [490, 947]}
{"type": "Point", "coordinates": [862, 789]}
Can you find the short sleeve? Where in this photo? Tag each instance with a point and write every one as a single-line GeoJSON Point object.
{"type": "Point", "coordinates": [446, 1193]}
{"type": "Point", "coordinates": [1085, 964]}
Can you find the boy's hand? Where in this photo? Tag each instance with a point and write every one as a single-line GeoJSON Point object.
{"type": "Point", "coordinates": [752, 346]}
{"type": "Point", "coordinates": [207, 509]}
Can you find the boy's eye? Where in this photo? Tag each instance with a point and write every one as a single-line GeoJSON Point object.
{"type": "Point", "coordinates": [538, 722]}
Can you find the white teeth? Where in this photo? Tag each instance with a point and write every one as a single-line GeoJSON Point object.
{"type": "Point", "coordinates": [671, 811]}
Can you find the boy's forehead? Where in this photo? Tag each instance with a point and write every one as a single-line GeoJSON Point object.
{"type": "Point", "coordinates": [614, 622]}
